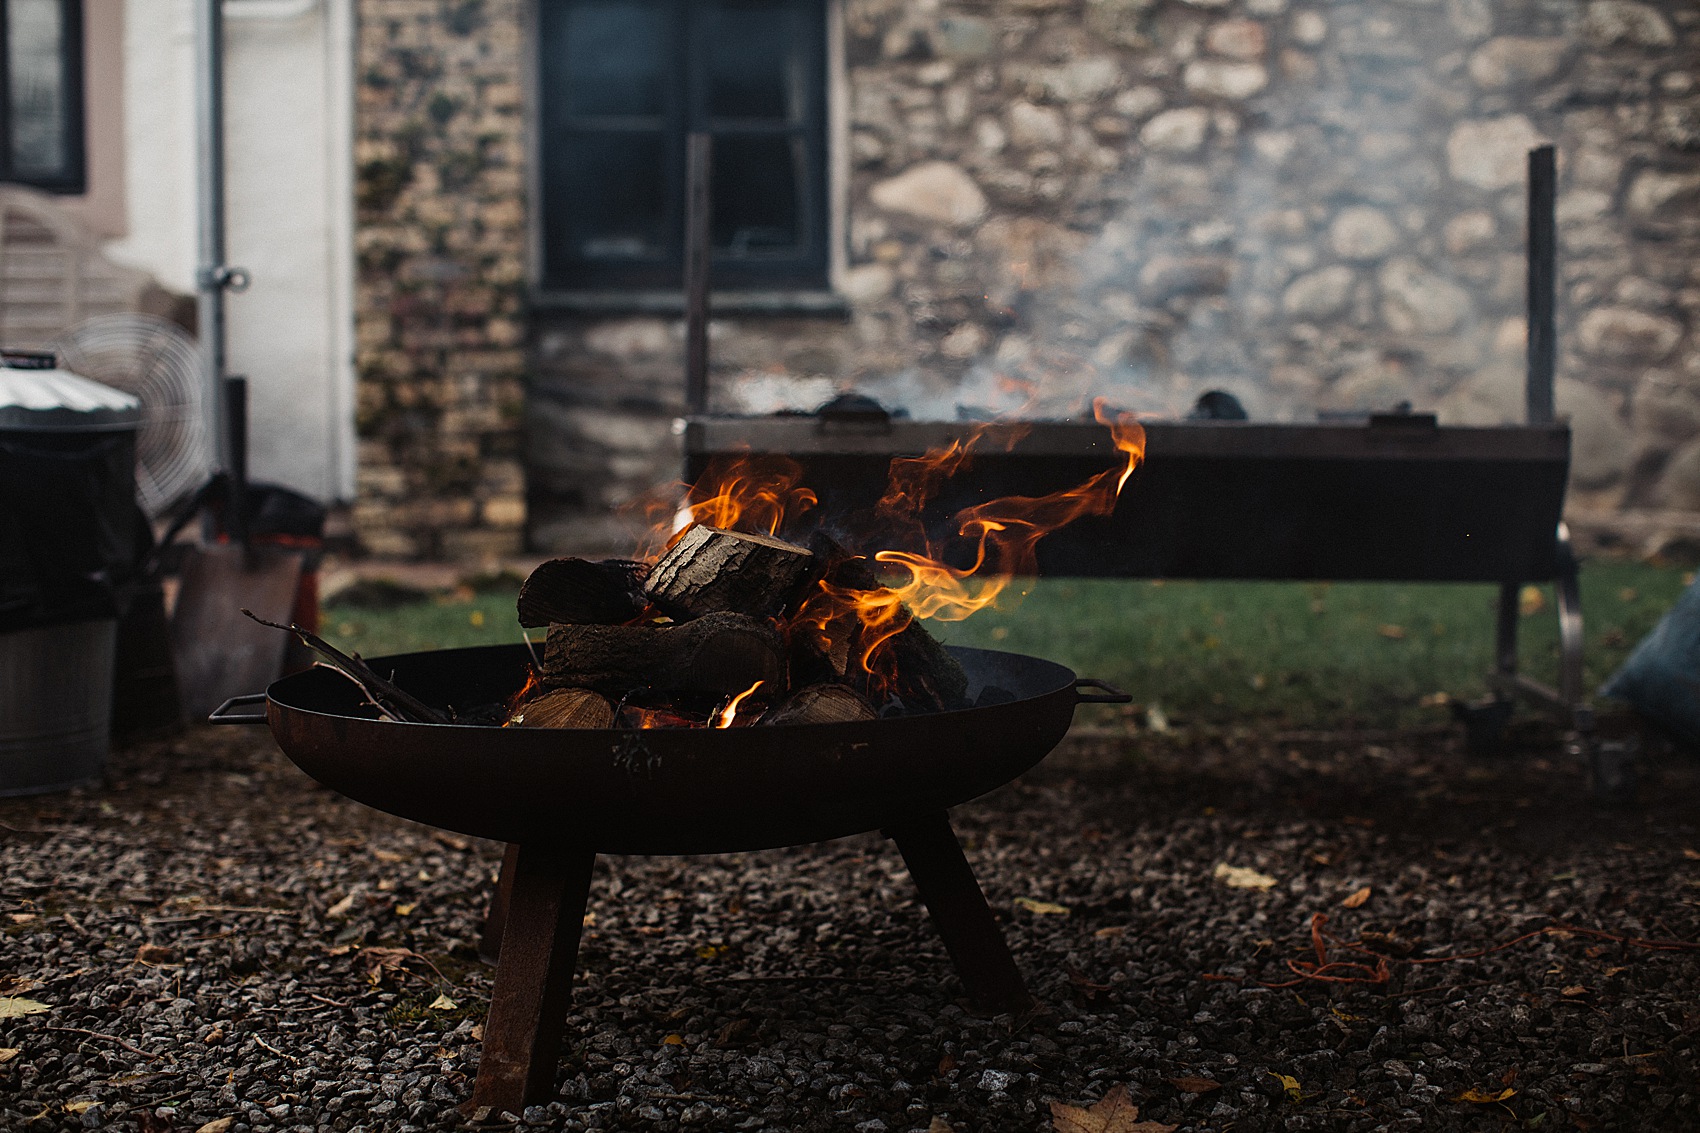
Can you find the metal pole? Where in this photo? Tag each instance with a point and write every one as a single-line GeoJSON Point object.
{"type": "Point", "coordinates": [698, 164]}
{"type": "Point", "coordinates": [210, 277]}
{"type": "Point", "coordinates": [1543, 241]}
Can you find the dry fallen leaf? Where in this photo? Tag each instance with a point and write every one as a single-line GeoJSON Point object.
{"type": "Point", "coordinates": [1194, 1085]}
{"type": "Point", "coordinates": [1485, 1097]}
{"type": "Point", "coordinates": [1042, 908]}
{"type": "Point", "coordinates": [405, 910]}
{"type": "Point", "coordinates": [940, 1125]}
{"type": "Point", "coordinates": [1574, 990]}
{"type": "Point", "coordinates": [1289, 1086]}
{"type": "Point", "coordinates": [341, 908]}
{"type": "Point", "coordinates": [7, 1053]}
{"type": "Point", "coordinates": [1392, 632]}
{"type": "Point", "coordinates": [1116, 1113]}
{"type": "Point", "coordinates": [1356, 898]}
{"type": "Point", "coordinates": [1691, 855]}
{"type": "Point", "coordinates": [388, 857]}
{"type": "Point", "coordinates": [221, 1125]}
{"type": "Point", "coordinates": [11, 1008]}
{"type": "Point", "coordinates": [1241, 877]}
{"type": "Point", "coordinates": [23, 918]}
{"type": "Point", "coordinates": [673, 1040]}
{"type": "Point", "coordinates": [80, 1106]}
{"type": "Point", "coordinates": [155, 954]}
{"type": "Point", "coordinates": [443, 1003]}
{"type": "Point", "coordinates": [1530, 601]}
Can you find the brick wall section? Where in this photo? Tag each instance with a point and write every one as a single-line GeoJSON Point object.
{"type": "Point", "coordinates": [440, 241]}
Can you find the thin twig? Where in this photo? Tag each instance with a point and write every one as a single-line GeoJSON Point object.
{"type": "Point", "coordinates": [394, 698]}
{"type": "Point", "coordinates": [276, 1051]}
{"type": "Point", "coordinates": [109, 1038]}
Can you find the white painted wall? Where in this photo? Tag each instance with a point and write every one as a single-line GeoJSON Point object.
{"type": "Point", "coordinates": [289, 208]}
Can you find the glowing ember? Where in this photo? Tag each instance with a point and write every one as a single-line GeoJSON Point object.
{"type": "Point", "coordinates": [727, 714]}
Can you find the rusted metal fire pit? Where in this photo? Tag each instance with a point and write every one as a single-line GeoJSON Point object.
{"type": "Point", "coordinates": [559, 797]}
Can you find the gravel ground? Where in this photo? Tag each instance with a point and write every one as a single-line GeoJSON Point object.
{"type": "Point", "coordinates": [218, 938]}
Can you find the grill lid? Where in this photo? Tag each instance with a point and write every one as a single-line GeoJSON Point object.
{"type": "Point", "coordinates": [37, 396]}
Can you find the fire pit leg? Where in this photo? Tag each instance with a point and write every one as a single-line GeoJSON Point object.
{"type": "Point", "coordinates": [547, 889]}
{"type": "Point", "coordinates": [959, 911]}
{"type": "Point", "coordinates": [496, 918]}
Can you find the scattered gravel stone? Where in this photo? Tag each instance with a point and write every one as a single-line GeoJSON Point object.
{"type": "Point", "coordinates": [804, 989]}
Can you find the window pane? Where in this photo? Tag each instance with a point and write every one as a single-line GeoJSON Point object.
{"type": "Point", "coordinates": [755, 66]}
{"type": "Point", "coordinates": [608, 198]}
{"type": "Point", "coordinates": [757, 194]}
{"type": "Point", "coordinates": [35, 45]}
{"type": "Point", "coordinates": [614, 58]}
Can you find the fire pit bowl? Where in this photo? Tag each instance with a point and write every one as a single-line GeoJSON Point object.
{"type": "Point", "coordinates": [559, 797]}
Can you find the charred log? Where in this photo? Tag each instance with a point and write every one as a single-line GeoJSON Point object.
{"type": "Point", "coordinates": [580, 592]}
{"type": "Point", "coordinates": [718, 653]}
{"type": "Point", "coordinates": [925, 676]}
{"type": "Point", "coordinates": [710, 570]}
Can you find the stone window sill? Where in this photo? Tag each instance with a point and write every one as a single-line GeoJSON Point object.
{"type": "Point", "coordinates": [827, 304]}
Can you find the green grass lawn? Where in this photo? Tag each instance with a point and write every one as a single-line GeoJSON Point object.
{"type": "Point", "coordinates": [1303, 654]}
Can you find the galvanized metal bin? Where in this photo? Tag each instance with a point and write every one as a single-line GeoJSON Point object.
{"type": "Point", "coordinates": [55, 705]}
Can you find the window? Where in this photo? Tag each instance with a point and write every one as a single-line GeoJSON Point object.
{"type": "Point", "coordinates": [623, 81]}
{"type": "Point", "coordinates": [41, 99]}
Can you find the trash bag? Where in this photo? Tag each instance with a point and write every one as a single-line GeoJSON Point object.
{"type": "Point", "coordinates": [71, 532]}
{"type": "Point", "coordinates": [1661, 679]}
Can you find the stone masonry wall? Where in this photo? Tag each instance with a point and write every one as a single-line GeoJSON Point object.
{"type": "Point", "coordinates": [1317, 205]}
{"type": "Point", "coordinates": [1314, 205]}
{"type": "Point", "coordinates": [440, 243]}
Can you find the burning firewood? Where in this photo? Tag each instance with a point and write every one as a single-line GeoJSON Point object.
{"type": "Point", "coordinates": [719, 653]}
{"type": "Point", "coordinates": [580, 592]}
{"type": "Point", "coordinates": [564, 708]}
{"type": "Point", "coordinates": [709, 571]}
{"type": "Point", "coordinates": [822, 704]}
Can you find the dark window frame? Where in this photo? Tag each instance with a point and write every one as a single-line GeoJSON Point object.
{"type": "Point", "coordinates": [72, 177]}
{"type": "Point", "coordinates": [685, 110]}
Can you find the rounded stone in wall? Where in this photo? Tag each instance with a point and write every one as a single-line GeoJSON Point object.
{"type": "Point", "coordinates": [1416, 301]}
{"type": "Point", "coordinates": [1491, 153]}
{"type": "Point", "coordinates": [1655, 195]}
{"type": "Point", "coordinates": [936, 191]}
{"type": "Point", "coordinates": [1679, 488]}
{"type": "Point", "coordinates": [1624, 21]}
{"type": "Point", "coordinates": [1362, 233]}
{"type": "Point", "coordinates": [1472, 231]}
{"type": "Point", "coordinates": [1512, 61]}
{"type": "Point", "coordinates": [1224, 80]}
{"type": "Point", "coordinates": [1237, 39]}
{"type": "Point", "coordinates": [1666, 410]}
{"type": "Point", "coordinates": [1319, 294]}
{"type": "Point", "coordinates": [1620, 334]}
{"type": "Point", "coordinates": [1177, 131]}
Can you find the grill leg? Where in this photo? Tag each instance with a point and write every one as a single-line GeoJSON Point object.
{"type": "Point", "coordinates": [547, 889]}
{"type": "Point", "coordinates": [959, 911]}
{"type": "Point", "coordinates": [496, 918]}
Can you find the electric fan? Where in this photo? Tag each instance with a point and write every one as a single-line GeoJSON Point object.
{"type": "Point", "coordinates": [159, 363]}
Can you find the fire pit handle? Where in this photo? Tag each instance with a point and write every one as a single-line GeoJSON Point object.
{"type": "Point", "coordinates": [223, 714]}
{"type": "Point", "coordinates": [1110, 694]}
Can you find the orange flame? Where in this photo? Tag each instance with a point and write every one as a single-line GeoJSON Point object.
{"type": "Point", "coordinates": [724, 720]}
{"type": "Point", "coordinates": [760, 494]}
{"type": "Point", "coordinates": [1005, 532]}
{"type": "Point", "coordinates": [517, 701]}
